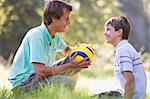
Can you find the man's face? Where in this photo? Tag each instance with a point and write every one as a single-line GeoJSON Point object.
{"type": "Point", "coordinates": [63, 22]}
{"type": "Point", "coordinates": [111, 35]}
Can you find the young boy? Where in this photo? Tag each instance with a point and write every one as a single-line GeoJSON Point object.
{"type": "Point", "coordinates": [33, 62]}
{"type": "Point", "coordinates": [129, 71]}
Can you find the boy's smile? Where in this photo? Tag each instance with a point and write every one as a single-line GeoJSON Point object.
{"type": "Point", "coordinates": [111, 35]}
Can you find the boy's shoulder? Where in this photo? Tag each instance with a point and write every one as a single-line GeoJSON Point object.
{"type": "Point", "coordinates": [126, 49]}
{"type": "Point", "coordinates": [124, 46]}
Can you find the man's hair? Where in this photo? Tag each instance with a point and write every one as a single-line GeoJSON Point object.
{"type": "Point", "coordinates": [120, 22]}
{"type": "Point", "coordinates": [54, 8]}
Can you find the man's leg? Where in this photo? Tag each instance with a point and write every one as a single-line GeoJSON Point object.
{"type": "Point", "coordinates": [33, 81]}
{"type": "Point", "coordinates": [59, 80]}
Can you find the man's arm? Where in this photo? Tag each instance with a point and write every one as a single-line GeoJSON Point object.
{"type": "Point", "coordinates": [129, 85]}
{"type": "Point", "coordinates": [67, 50]}
{"type": "Point", "coordinates": [42, 71]}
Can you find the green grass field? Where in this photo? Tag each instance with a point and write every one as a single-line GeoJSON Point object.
{"type": "Point", "coordinates": [91, 81]}
{"type": "Point", "coordinates": [87, 85]}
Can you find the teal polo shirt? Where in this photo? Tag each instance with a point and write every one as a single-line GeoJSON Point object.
{"type": "Point", "coordinates": [37, 46]}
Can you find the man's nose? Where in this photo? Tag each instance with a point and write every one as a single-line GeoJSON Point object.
{"type": "Point", "coordinates": [68, 22]}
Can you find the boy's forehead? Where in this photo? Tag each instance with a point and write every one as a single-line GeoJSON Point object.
{"type": "Point", "coordinates": [108, 26]}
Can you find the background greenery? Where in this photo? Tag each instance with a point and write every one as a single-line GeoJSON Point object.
{"type": "Point", "coordinates": [87, 21]}
{"type": "Point", "coordinates": [87, 25]}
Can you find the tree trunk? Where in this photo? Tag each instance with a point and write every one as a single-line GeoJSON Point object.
{"type": "Point", "coordinates": [140, 24]}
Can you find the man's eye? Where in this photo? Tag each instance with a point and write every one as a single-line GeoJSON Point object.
{"type": "Point", "coordinates": [67, 19]}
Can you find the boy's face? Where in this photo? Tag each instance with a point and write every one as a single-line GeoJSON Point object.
{"type": "Point", "coordinates": [63, 22]}
{"type": "Point", "coordinates": [111, 35]}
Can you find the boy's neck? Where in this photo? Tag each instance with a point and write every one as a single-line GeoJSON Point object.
{"type": "Point", "coordinates": [116, 42]}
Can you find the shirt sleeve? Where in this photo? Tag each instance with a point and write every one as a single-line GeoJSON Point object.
{"type": "Point", "coordinates": [37, 50]}
{"type": "Point", "coordinates": [61, 45]}
{"type": "Point", "coordinates": [125, 58]}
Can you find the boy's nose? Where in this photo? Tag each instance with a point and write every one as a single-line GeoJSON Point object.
{"type": "Point", "coordinates": [105, 33]}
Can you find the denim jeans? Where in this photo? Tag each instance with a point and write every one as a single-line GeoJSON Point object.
{"type": "Point", "coordinates": [110, 95]}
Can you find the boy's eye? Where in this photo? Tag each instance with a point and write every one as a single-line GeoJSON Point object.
{"type": "Point", "coordinates": [108, 29]}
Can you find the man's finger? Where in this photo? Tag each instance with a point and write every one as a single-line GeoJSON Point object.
{"type": "Point", "coordinates": [84, 64]}
{"type": "Point", "coordinates": [74, 56]}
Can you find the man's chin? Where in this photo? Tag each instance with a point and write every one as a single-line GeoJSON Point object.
{"type": "Point", "coordinates": [106, 41]}
{"type": "Point", "coordinates": [62, 31]}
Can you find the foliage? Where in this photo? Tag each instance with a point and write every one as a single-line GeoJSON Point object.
{"type": "Point", "coordinates": [17, 16]}
{"type": "Point", "coordinates": [87, 21]}
{"type": "Point", "coordinates": [4, 93]}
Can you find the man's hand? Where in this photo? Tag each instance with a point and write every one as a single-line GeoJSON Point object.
{"type": "Point", "coordinates": [42, 71]}
{"type": "Point", "coordinates": [79, 64]}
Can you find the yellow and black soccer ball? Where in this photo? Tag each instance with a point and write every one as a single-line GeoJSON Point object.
{"type": "Point", "coordinates": [83, 51]}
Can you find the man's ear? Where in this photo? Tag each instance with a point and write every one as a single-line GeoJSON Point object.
{"type": "Point", "coordinates": [53, 19]}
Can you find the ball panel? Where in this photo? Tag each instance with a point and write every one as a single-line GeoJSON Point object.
{"type": "Point", "coordinates": [83, 51]}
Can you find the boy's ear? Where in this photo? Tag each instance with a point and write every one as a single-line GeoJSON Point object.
{"type": "Point", "coordinates": [120, 31]}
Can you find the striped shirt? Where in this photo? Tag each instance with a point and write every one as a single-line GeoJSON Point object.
{"type": "Point", "coordinates": [127, 59]}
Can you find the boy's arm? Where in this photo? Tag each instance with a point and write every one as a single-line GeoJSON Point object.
{"type": "Point", "coordinates": [129, 85]}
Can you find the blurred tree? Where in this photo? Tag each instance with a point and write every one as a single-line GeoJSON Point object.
{"type": "Point", "coordinates": [16, 17]}
{"type": "Point", "coordinates": [87, 21]}
{"type": "Point", "coordinates": [138, 16]}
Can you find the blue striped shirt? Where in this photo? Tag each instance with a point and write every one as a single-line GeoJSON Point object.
{"type": "Point", "coordinates": [127, 59]}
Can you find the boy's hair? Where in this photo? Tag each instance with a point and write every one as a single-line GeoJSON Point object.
{"type": "Point", "coordinates": [54, 8]}
{"type": "Point", "coordinates": [120, 22]}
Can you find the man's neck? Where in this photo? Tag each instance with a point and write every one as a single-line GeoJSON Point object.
{"type": "Point", "coordinates": [51, 30]}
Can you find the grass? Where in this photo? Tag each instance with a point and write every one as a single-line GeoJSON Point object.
{"type": "Point", "coordinates": [61, 92]}
{"type": "Point", "coordinates": [98, 72]}
{"type": "Point", "coordinates": [91, 81]}
{"type": "Point", "coordinates": [53, 92]}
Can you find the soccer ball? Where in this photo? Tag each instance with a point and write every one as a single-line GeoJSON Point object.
{"type": "Point", "coordinates": [83, 51]}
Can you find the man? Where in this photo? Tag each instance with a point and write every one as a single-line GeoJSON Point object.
{"type": "Point", "coordinates": [128, 69]}
{"type": "Point", "coordinates": [33, 62]}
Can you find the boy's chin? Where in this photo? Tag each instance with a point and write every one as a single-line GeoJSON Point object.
{"type": "Point", "coordinates": [108, 42]}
